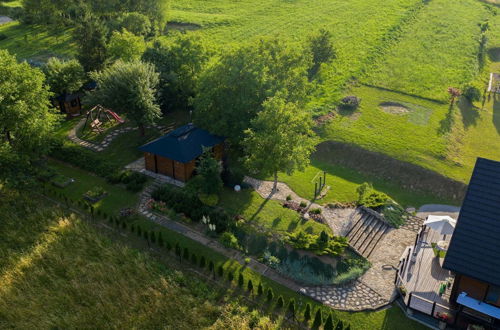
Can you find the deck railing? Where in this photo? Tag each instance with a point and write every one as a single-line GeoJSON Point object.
{"type": "Point", "coordinates": [414, 301]}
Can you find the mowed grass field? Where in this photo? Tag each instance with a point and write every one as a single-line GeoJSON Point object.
{"type": "Point", "coordinates": [358, 27]}
{"type": "Point", "coordinates": [439, 49]}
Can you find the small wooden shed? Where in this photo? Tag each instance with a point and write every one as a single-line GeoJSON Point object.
{"type": "Point", "coordinates": [175, 153]}
{"type": "Point", "coordinates": [69, 104]}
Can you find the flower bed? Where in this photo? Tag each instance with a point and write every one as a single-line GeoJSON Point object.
{"type": "Point", "coordinates": [302, 209]}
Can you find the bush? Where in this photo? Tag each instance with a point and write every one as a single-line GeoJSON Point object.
{"type": "Point", "coordinates": [202, 262]}
{"type": "Point", "coordinates": [315, 211]}
{"type": "Point", "coordinates": [291, 307]}
{"type": "Point", "coordinates": [350, 102]}
{"type": "Point", "coordinates": [371, 198]}
{"type": "Point", "coordinates": [472, 93]}
{"type": "Point", "coordinates": [329, 322]}
{"type": "Point", "coordinates": [280, 302]}
{"type": "Point", "coordinates": [303, 204]}
{"type": "Point", "coordinates": [194, 259]}
{"type": "Point", "coordinates": [220, 271]}
{"type": "Point", "coordinates": [229, 240]}
{"type": "Point", "coordinates": [230, 276]}
{"type": "Point", "coordinates": [250, 286]}
{"type": "Point", "coordinates": [232, 176]}
{"type": "Point", "coordinates": [270, 295]}
{"type": "Point", "coordinates": [260, 289]}
{"type": "Point", "coordinates": [240, 280]}
{"type": "Point", "coordinates": [307, 313]}
{"type": "Point", "coordinates": [289, 197]}
{"type": "Point", "coordinates": [318, 320]}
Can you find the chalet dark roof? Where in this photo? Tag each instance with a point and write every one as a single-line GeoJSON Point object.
{"type": "Point", "coordinates": [475, 246]}
{"type": "Point", "coordinates": [183, 144]}
{"type": "Point", "coordinates": [68, 97]}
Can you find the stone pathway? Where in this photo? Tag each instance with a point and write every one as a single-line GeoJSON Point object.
{"type": "Point", "coordinates": [107, 140]}
{"type": "Point", "coordinates": [5, 19]}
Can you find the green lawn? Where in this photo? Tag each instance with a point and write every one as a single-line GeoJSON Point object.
{"type": "Point", "coordinates": [36, 43]}
{"type": "Point", "coordinates": [343, 183]}
{"type": "Point", "coordinates": [358, 27]}
{"type": "Point", "coordinates": [116, 199]}
{"type": "Point", "coordinates": [438, 50]}
{"type": "Point", "coordinates": [269, 215]}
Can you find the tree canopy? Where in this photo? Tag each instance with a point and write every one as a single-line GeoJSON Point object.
{"type": "Point", "coordinates": [128, 87]}
{"type": "Point", "coordinates": [126, 46]}
{"type": "Point", "coordinates": [64, 76]}
{"type": "Point", "coordinates": [91, 37]}
{"type": "Point", "coordinates": [280, 139]}
{"type": "Point", "coordinates": [26, 121]}
{"type": "Point", "coordinates": [322, 50]}
{"type": "Point", "coordinates": [180, 63]}
{"type": "Point", "coordinates": [232, 89]}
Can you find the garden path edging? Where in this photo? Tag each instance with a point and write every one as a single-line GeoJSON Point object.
{"type": "Point", "coordinates": [355, 296]}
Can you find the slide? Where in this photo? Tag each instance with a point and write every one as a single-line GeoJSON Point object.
{"type": "Point", "coordinates": [115, 115]}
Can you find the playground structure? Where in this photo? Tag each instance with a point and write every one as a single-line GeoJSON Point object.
{"type": "Point", "coordinates": [96, 117]}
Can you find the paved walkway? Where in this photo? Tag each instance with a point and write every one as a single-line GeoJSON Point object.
{"type": "Point", "coordinates": [5, 19]}
{"type": "Point", "coordinates": [107, 140]}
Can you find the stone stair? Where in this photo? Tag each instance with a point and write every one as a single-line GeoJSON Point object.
{"type": "Point", "coordinates": [366, 233]}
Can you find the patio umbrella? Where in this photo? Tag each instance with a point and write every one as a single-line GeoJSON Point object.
{"type": "Point", "coordinates": [445, 225]}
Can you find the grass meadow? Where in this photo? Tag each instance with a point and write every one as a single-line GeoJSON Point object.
{"type": "Point", "coordinates": [438, 50]}
{"type": "Point", "coordinates": [52, 263]}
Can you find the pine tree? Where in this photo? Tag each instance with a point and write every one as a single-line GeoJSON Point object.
{"type": "Point", "coordinates": [270, 295]}
{"type": "Point", "coordinates": [329, 323]}
{"type": "Point", "coordinates": [132, 228]}
{"type": "Point", "coordinates": [250, 286]}
{"type": "Point", "coordinates": [202, 262]}
{"type": "Point", "coordinates": [291, 307]}
{"type": "Point", "coordinates": [307, 313]}
{"type": "Point", "coordinates": [124, 225]}
{"type": "Point", "coordinates": [194, 260]}
{"type": "Point", "coordinates": [178, 251]}
{"type": "Point", "coordinates": [139, 231]}
{"type": "Point", "coordinates": [220, 271]}
{"type": "Point", "coordinates": [317, 320]}
{"type": "Point", "coordinates": [211, 266]}
{"type": "Point", "coordinates": [340, 325]}
{"type": "Point", "coordinates": [230, 276]}
{"type": "Point", "coordinates": [240, 280]}
{"type": "Point", "coordinates": [260, 289]}
{"type": "Point", "coordinates": [168, 246]}
{"type": "Point", "coordinates": [146, 235]}
{"type": "Point", "coordinates": [152, 237]}
{"type": "Point", "coordinates": [160, 239]}
{"type": "Point", "coordinates": [186, 253]}
{"type": "Point", "coordinates": [348, 327]}
{"type": "Point", "coordinates": [280, 302]}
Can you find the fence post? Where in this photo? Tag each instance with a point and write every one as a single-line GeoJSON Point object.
{"type": "Point", "coordinates": [324, 178]}
{"type": "Point", "coordinates": [315, 189]}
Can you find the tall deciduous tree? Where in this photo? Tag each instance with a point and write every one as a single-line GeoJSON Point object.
{"type": "Point", "coordinates": [91, 37]}
{"type": "Point", "coordinates": [180, 62]}
{"type": "Point", "coordinates": [130, 88]}
{"type": "Point", "coordinates": [64, 76]}
{"type": "Point", "coordinates": [232, 90]}
{"type": "Point", "coordinates": [126, 46]}
{"type": "Point", "coordinates": [322, 50]}
{"type": "Point", "coordinates": [280, 139]}
{"type": "Point", "coordinates": [26, 121]}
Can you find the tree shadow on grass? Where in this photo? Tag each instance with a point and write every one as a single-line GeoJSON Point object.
{"type": "Point", "coordinates": [446, 124]}
{"type": "Point", "coordinates": [496, 112]}
{"type": "Point", "coordinates": [470, 113]}
{"type": "Point", "coordinates": [260, 209]}
{"type": "Point", "coordinates": [276, 222]}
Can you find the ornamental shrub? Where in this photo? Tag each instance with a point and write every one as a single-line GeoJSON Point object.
{"type": "Point", "coordinates": [260, 289]}
{"type": "Point", "coordinates": [307, 313]}
{"type": "Point", "coordinates": [291, 307]}
{"type": "Point", "coordinates": [472, 93]}
{"type": "Point", "coordinates": [329, 323]}
{"type": "Point", "coordinates": [250, 286]}
{"type": "Point", "coordinates": [280, 302]}
{"type": "Point", "coordinates": [318, 320]}
{"type": "Point", "coordinates": [194, 260]}
{"type": "Point", "coordinates": [270, 295]}
{"type": "Point", "coordinates": [220, 271]}
{"type": "Point", "coordinates": [350, 102]}
{"type": "Point", "coordinates": [229, 240]}
{"type": "Point", "coordinates": [340, 325]}
{"type": "Point", "coordinates": [202, 262]}
{"type": "Point", "coordinates": [240, 280]}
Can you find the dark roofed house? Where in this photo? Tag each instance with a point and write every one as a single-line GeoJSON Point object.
{"type": "Point", "coordinates": [457, 281]}
{"type": "Point", "coordinates": [474, 251]}
{"type": "Point", "coordinates": [175, 153]}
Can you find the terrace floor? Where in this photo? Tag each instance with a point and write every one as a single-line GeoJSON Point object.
{"type": "Point", "coordinates": [423, 276]}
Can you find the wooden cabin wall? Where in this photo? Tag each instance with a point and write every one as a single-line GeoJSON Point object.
{"type": "Point", "coordinates": [165, 166]}
{"type": "Point", "coordinates": [474, 288]}
{"type": "Point", "coordinates": [149, 162]}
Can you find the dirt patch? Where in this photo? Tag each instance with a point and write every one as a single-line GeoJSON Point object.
{"type": "Point", "coordinates": [183, 26]}
{"type": "Point", "coordinates": [394, 108]}
{"type": "Point", "coordinates": [407, 175]}
{"type": "Point", "coordinates": [321, 120]}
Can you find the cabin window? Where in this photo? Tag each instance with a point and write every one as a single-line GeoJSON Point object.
{"type": "Point", "coordinates": [493, 295]}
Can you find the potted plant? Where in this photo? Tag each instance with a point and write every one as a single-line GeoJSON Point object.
{"type": "Point", "coordinates": [444, 318]}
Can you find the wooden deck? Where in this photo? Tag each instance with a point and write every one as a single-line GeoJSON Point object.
{"type": "Point", "coordinates": [423, 275]}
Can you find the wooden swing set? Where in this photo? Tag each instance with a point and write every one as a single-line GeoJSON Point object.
{"type": "Point", "coordinates": [97, 116]}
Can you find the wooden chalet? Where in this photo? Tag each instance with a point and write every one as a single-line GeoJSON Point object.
{"type": "Point", "coordinates": [69, 104]}
{"type": "Point", "coordinates": [175, 153]}
{"type": "Point", "coordinates": [474, 251]}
